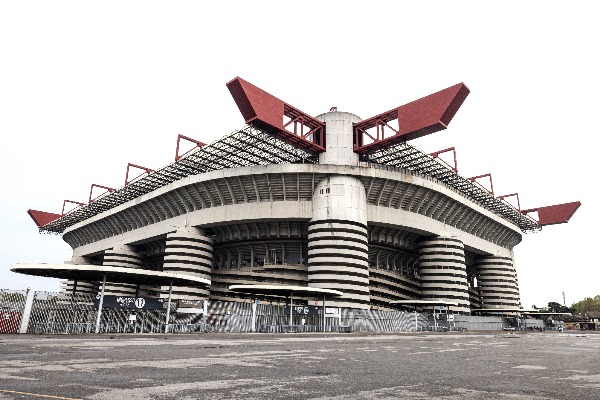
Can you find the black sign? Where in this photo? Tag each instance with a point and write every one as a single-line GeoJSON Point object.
{"type": "Point", "coordinates": [136, 303]}
{"type": "Point", "coordinates": [190, 303]}
{"type": "Point", "coordinates": [303, 310]}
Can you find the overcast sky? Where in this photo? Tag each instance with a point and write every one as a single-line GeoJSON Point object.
{"type": "Point", "coordinates": [86, 87]}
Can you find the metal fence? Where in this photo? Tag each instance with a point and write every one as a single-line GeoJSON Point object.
{"type": "Point", "coordinates": [65, 313]}
{"type": "Point", "coordinates": [12, 304]}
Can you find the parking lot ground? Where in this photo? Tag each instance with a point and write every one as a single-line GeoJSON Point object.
{"type": "Point", "coordinates": [450, 365]}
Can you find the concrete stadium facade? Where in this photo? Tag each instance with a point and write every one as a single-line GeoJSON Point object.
{"type": "Point", "coordinates": [376, 233]}
{"type": "Point", "coordinates": [381, 222]}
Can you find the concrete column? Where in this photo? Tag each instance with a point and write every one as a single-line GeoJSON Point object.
{"type": "Point", "coordinates": [337, 233]}
{"type": "Point", "coordinates": [27, 310]}
{"type": "Point", "coordinates": [337, 241]}
{"type": "Point", "coordinates": [497, 282]}
{"type": "Point", "coordinates": [189, 251]}
{"type": "Point", "coordinates": [339, 142]}
{"type": "Point", "coordinates": [443, 272]}
{"type": "Point", "coordinates": [123, 256]}
{"type": "Point", "coordinates": [253, 328]}
{"type": "Point", "coordinates": [78, 287]}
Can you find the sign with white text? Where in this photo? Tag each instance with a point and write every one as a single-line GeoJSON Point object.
{"type": "Point", "coordinates": [136, 303]}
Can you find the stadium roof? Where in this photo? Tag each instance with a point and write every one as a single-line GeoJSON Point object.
{"type": "Point", "coordinates": [251, 146]}
{"type": "Point", "coordinates": [95, 273]}
{"type": "Point", "coordinates": [248, 146]}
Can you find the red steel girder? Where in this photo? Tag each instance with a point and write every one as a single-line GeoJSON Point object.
{"type": "Point", "coordinates": [179, 137]}
{"type": "Point", "coordinates": [129, 165]}
{"type": "Point", "coordinates": [474, 180]}
{"type": "Point", "coordinates": [557, 214]}
{"type": "Point", "coordinates": [437, 155]}
{"type": "Point", "coordinates": [98, 186]}
{"type": "Point", "coordinates": [416, 119]}
{"type": "Point", "coordinates": [511, 195]}
{"type": "Point", "coordinates": [265, 111]}
{"type": "Point", "coordinates": [42, 218]}
{"type": "Point", "coordinates": [72, 202]}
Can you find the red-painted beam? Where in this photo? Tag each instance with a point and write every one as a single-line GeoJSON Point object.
{"type": "Point", "coordinates": [72, 202]}
{"type": "Point", "coordinates": [503, 197]}
{"type": "Point", "coordinates": [196, 142]}
{"type": "Point", "coordinates": [129, 165]}
{"type": "Point", "coordinates": [557, 214]}
{"type": "Point", "coordinates": [267, 112]}
{"type": "Point", "coordinates": [98, 186]}
{"type": "Point", "coordinates": [474, 179]}
{"type": "Point", "coordinates": [42, 218]}
{"type": "Point", "coordinates": [437, 155]}
{"type": "Point", "coordinates": [421, 117]}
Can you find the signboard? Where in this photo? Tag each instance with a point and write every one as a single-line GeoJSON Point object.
{"type": "Point", "coordinates": [451, 317]}
{"type": "Point", "coordinates": [331, 310]}
{"type": "Point", "coordinates": [303, 310]}
{"type": "Point", "coordinates": [136, 303]}
{"type": "Point", "coordinates": [190, 306]}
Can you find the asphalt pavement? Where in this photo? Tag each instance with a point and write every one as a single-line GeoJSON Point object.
{"type": "Point", "coordinates": [425, 365]}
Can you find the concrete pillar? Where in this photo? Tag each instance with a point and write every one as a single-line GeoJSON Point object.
{"type": "Point", "coordinates": [339, 142]}
{"type": "Point", "coordinates": [123, 256]}
{"type": "Point", "coordinates": [189, 251]}
{"type": "Point", "coordinates": [253, 328]}
{"type": "Point", "coordinates": [497, 282]}
{"type": "Point", "coordinates": [337, 233]}
{"type": "Point", "coordinates": [443, 272]}
{"type": "Point", "coordinates": [78, 287]}
{"type": "Point", "coordinates": [27, 310]}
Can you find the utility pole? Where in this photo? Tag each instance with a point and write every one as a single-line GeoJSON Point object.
{"type": "Point", "coordinates": [564, 302]}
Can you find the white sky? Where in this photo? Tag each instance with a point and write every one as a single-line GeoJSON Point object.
{"type": "Point", "coordinates": [86, 87]}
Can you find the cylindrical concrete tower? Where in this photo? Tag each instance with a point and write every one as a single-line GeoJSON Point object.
{"type": "Point", "coordinates": [123, 257]}
{"type": "Point", "coordinates": [79, 287]}
{"type": "Point", "coordinates": [497, 282]}
{"type": "Point", "coordinates": [339, 141]}
{"type": "Point", "coordinates": [443, 272]}
{"type": "Point", "coordinates": [337, 233]}
{"type": "Point", "coordinates": [189, 251]}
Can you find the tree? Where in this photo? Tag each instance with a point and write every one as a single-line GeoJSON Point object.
{"type": "Point", "coordinates": [588, 304]}
{"type": "Point", "coordinates": [559, 308]}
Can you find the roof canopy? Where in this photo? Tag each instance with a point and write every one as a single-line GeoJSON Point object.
{"type": "Point", "coordinates": [97, 273]}
{"type": "Point", "coordinates": [284, 290]}
{"type": "Point", "coordinates": [439, 302]}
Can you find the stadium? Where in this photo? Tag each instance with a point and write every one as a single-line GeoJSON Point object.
{"type": "Point", "coordinates": [331, 208]}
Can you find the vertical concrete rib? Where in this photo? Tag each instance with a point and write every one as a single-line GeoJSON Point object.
{"type": "Point", "coordinates": [443, 271]}
{"type": "Point", "coordinates": [497, 282]}
{"type": "Point", "coordinates": [189, 251]}
{"type": "Point", "coordinates": [337, 233]}
{"type": "Point", "coordinates": [123, 257]}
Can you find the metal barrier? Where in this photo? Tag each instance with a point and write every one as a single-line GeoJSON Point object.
{"type": "Point", "coordinates": [303, 328]}
{"type": "Point", "coordinates": [190, 328]}
{"type": "Point", "coordinates": [60, 328]}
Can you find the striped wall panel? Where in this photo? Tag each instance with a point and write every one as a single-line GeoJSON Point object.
{"type": "Point", "coordinates": [191, 253]}
{"type": "Point", "coordinates": [338, 260]}
{"type": "Point", "coordinates": [122, 257]}
{"type": "Point", "coordinates": [497, 282]}
{"type": "Point", "coordinates": [386, 286]}
{"type": "Point", "coordinates": [443, 272]}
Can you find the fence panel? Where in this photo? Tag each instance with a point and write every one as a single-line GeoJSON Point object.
{"type": "Point", "coordinates": [12, 304]}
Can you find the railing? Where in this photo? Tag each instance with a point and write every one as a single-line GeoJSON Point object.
{"type": "Point", "coordinates": [190, 328]}
{"type": "Point", "coordinates": [61, 328]}
{"type": "Point", "coordinates": [303, 328]}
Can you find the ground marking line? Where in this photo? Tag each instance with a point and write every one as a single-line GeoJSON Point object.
{"type": "Point", "coordinates": [38, 395]}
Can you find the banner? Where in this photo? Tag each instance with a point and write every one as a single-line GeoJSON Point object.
{"type": "Point", "coordinates": [304, 310]}
{"type": "Point", "coordinates": [136, 303]}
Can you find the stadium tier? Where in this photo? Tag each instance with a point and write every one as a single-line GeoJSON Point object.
{"type": "Point", "coordinates": [328, 202]}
